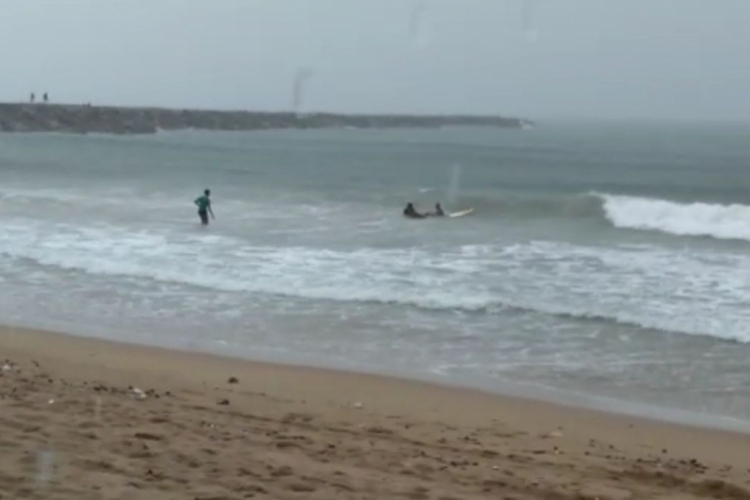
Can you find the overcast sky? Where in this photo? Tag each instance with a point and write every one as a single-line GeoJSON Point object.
{"type": "Point", "coordinates": [618, 59]}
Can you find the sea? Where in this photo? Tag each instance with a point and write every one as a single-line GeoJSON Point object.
{"type": "Point", "coordinates": [606, 264]}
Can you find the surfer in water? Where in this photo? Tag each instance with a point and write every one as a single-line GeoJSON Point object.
{"type": "Point", "coordinates": [204, 207]}
{"type": "Point", "coordinates": [438, 211]}
{"type": "Point", "coordinates": [412, 213]}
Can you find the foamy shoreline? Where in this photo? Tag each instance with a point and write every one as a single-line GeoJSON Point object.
{"type": "Point", "coordinates": [549, 285]}
{"type": "Point", "coordinates": [220, 427]}
{"type": "Point", "coordinates": [573, 399]}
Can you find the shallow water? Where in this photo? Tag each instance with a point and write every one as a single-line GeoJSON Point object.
{"type": "Point", "coordinates": [609, 260]}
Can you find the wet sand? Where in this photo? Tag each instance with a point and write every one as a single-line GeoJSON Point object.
{"type": "Point", "coordinates": [89, 419]}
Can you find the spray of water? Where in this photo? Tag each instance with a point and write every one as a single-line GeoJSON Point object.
{"type": "Point", "coordinates": [529, 28]}
{"type": "Point", "coordinates": [45, 465]}
{"type": "Point", "coordinates": [98, 415]}
{"type": "Point", "coordinates": [97, 409]}
{"type": "Point", "coordinates": [299, 91]}
{"type": "Point", "coordinates": [418, 26]}
{"type": "Point", "coordinates": [455, 185]}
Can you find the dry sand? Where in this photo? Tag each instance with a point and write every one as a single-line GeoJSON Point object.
{"type": "Point", "coordinates": [71, 428]}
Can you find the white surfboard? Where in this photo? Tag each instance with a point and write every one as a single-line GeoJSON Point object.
{"type": "Point", "coordinates": [461, 213]}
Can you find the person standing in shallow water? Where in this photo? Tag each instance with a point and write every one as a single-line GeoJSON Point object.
{"type": "Point", "coordinates": [204, 207]}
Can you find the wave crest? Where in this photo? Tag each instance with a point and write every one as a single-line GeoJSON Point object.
{"type": "Point", "coordinates": [681, 219]}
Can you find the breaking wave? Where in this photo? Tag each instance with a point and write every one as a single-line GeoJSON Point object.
{"type": "Point", "coordinates": [682, 219]}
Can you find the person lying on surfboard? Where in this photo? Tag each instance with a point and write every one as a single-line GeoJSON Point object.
{"type": "Point", "coordinates": [412, 213]}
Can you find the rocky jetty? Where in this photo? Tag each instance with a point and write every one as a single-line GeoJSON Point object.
{"type": "Point", "coordinates": [121, 120]}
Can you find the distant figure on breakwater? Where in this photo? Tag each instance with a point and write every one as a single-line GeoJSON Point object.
{"type": "Point", "coordinates": [32, 98]}
{"type": "Point", "coordinates": [46, 97]}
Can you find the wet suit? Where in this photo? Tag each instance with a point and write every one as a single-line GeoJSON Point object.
{"type": "Point", "coordinates": [411, 213]}
{"type": "Point", "coordinates": [204, 206]}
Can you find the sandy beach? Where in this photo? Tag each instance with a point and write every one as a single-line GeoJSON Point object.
{"type": "Point", "coordinates": [89, 419]}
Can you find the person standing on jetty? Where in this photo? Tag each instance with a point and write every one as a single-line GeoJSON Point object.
{"type": "Point", "coordinates": [204, 207]}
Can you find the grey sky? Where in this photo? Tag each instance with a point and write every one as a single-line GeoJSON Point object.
{"type": "Point", "coordinates": [673, 59]}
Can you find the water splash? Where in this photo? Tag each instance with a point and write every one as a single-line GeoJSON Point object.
{"type": "Point", "coordinates": [528, 14]}
{"type": "Point", "coordinates": [455, 184]}
{"type": "Point", "coordinates": [301, 79]}
{"type": "Point", "coordinates": [45, 465]}
{"type": "Point", "coordinates": [97, 409]}
{"type": "Point", "coordinates": [98, 415]}
{"type": "Point", "coordinates": [418, 26]}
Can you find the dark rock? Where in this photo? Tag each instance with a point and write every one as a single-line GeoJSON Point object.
{"type": "Point", "coordinates": [114, 120]}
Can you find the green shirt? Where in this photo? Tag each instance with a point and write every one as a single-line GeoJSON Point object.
{"type": "Point", "coordinates": [203, 203]}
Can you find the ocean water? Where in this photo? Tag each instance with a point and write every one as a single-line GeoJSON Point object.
{"type": "Point", "coordinates": [608, 261]}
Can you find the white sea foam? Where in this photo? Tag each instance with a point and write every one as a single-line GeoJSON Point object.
{"type": "Point", "coordinates": [644, 286]}
{"type": "Point", "coordinates": [683, 219]}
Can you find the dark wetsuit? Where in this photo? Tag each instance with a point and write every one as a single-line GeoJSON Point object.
{"type": "Point", "coordinates": [412, 214]}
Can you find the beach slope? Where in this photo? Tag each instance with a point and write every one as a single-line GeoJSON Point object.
{"type": "Point", "coordinates": [88, 419]}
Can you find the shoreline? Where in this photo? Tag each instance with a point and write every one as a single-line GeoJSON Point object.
{"type": "Point", "coordinates": [566, 398]}
{"type": "Point", "coordinates": [327, 433]}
